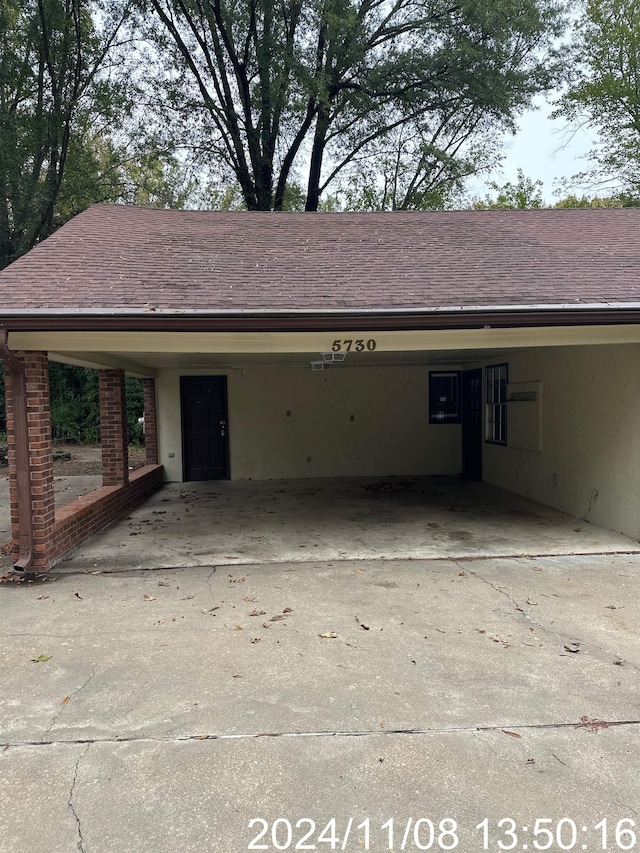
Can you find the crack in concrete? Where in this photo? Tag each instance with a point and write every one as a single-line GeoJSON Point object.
{"type": "Point", "coordinates": [552, 632]}
{"type": "Point", "coordinates": [208, 580]}
{"type": "Point", "coordinates": [71, 695]}
{"type": "Point", "coordinates": [473, 730]}
{"type": "Point", "coordinates": [70, 803]}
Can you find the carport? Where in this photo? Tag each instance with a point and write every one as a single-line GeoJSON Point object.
{"type": "Point", "coordinates": [284, 349]}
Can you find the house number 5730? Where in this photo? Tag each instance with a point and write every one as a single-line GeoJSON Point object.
{"type": "Point", "coordinates": [353, 345]}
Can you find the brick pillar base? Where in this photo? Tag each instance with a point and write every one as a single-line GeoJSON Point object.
{"type": "Point", "coordinates": [150, 422]}
{"type": "Point", "coordinates": [113, 428]}
{"type": "Point", "coordinates": [36, 365]}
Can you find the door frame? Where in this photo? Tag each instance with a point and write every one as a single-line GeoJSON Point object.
{"type": "Point", "coordinates": [477, 439]}
{"type": "Point", "coordinates": [225, 395]}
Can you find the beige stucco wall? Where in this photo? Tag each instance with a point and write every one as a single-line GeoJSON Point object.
{"type": "Point", "coordinates": [389, 434]}
{"type": "Point", "coordinates": [589, 461]}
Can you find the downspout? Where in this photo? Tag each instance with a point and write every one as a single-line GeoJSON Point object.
{"type": "Point", "coordinates": [15, 367]}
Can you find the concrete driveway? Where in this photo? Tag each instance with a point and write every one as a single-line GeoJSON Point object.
{"type": "Point", "coordinates": [167, 710]}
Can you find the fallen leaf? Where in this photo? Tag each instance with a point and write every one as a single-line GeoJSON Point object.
{"type": "Point", "coordinates": [359, 571]}
{"type": "Point", "coordinates": [215, 607]}
{"type": "Point", "coordinates": [40, 597]}
{"type": "Point", "coordinates": [258, 613]}
{"type": "Point", "coordinates": [531, 761]}
{"type": "Point", "coordinates": [187, 597]}
{"type": "Point", "coordinates": [462, 574]}
{"type": "Point", "coordinates": [277, 617]}
{"type": "Point", "coordinates": [238, 627]}
{"type": "Point", "coordinates": [42, 658]}
{"type": "Point", "coordinates": [287, 610]}
{"type": "Point", "coordinates": [382, 724]}
{"type": "Point", "coordinates": [531, 602]}
{"type": "Point", "coordinates": [250, 598]}
{"type": "Point", "coordinates": [148, 597]}
{"type": "Point", "coordinates": [329, 635]}
{"type": "Point", "coordinates": [65, 700]}
{"type": "Point", "coordinates": [511, 734]}
{"type": "Point", "coordinates": [163, 583]}
{"type": "Point", "coordinates": [577, 529]}
{"type": "Point", "coordinates": [618, 662]}
{"type": "Point", "coordinates": [574, 648]}
{"type": "Point", "coordinates": [266, 625]}
{"type": "Point", "coordinates": [77, 595]}
{"type": "Point", "coordinates": [202, 737]}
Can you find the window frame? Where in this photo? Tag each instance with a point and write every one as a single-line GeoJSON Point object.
{"type": "Point", "coordinates": [456, 417]}
{"type": "Point", "coordinates": [496, 409]}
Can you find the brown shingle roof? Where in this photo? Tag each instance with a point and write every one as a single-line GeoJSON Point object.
{"type": "Point", "coordinates": [118, 257]}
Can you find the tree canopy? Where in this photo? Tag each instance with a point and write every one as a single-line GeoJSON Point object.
{"type": "Point", "coordinates": [313, 91]}
{"type": "Point", "coordinates": [604, 92]}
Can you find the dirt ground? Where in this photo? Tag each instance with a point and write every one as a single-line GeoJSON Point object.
{"type": "Point", "coordinates": [72, 477]}
{"type": "Point", "coordinates": [85, 460]}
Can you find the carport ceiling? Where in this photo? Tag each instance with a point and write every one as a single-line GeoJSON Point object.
{"type": "Point", "coordinates": [190, 360]}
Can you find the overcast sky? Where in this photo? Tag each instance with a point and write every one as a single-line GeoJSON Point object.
{"type": "Point", "coordinates": [544, 149]}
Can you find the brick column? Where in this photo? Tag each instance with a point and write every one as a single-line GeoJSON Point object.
{"type": "Point", "coordinates": [150, 422]}
{"type": "Point", "coordinates": [36, 365]}
{"type": "Point", "coordinates": [113, 428]}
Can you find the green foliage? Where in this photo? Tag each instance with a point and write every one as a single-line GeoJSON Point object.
{"type": "Point", "coordinates": [50, 93]}
{"type": "Point", "coordinates": [75, 410]}
{"type": "Point", "coordinates": [525, 194]}
{"type": "Point", "coordinates": [134, 396]}
{"type": "Point", "coordinates": [604, 92]}
{"type": "Point", "coordinates": [71, 131]}
{"type": "Point", "coordinates": [621, 200]}
{"type": "Point", "coordinates": [399, 100]}
{"type": "Point", "coordinates": [75, 405]}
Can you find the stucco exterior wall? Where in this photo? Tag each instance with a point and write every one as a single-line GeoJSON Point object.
{"type": "Point", "coordinates": [589, 433]}
{"type": "Point", "coordinates": [389, 433]}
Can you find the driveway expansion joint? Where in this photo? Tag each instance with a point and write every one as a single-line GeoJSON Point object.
{"type": "Point", "coordinates": [591, 726]}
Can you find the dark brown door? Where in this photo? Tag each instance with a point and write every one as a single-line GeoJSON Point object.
{"type": "Point", "coordinates": [204, 427]}
{"type": "Point", "coordinates": [472, 424]}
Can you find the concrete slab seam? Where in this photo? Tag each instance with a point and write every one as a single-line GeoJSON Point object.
{"type": "Point", "coordinates": [588, 725]}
